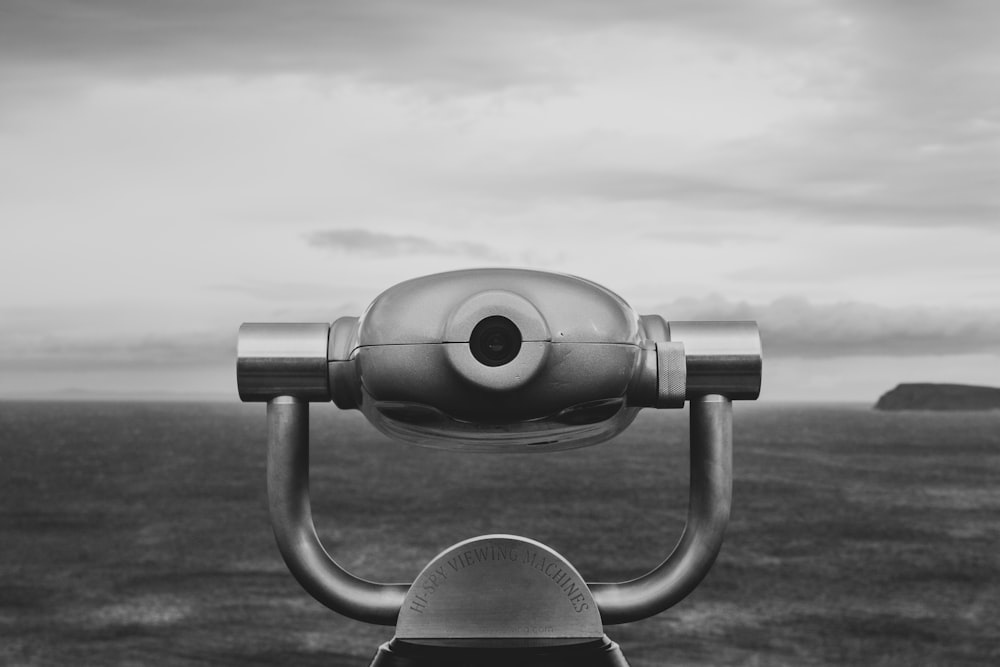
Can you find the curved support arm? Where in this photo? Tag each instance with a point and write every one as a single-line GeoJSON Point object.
{"type": "Point", "coordinates": [291, 518]}
{"type": "Point", "coordinates": [708, 513]}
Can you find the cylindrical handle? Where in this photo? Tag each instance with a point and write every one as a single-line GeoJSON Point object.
{"type": "Point", "coordinates": [722, 357]}
{"type": "Point", "coordinates": [291, 519]}
{"type": "Point", "coordinates": [708, 513]}
{"type": "Point", "coordinates": [283, 360]}
{"type": "Point", "coordinates": [683, 360]}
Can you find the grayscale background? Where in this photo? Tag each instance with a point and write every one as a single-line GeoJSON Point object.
{"type": "Point", "coordinates": [171, 169]}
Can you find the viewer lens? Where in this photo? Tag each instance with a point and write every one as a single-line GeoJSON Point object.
{"type": "Point", "coordinates": [495, 341]}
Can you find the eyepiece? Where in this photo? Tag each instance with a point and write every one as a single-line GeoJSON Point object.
{"type": "Point", "coordinates": [495, 341]}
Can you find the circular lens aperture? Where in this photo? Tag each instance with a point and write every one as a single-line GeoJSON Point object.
{"type": "Point", "coordinates": [495, 341]}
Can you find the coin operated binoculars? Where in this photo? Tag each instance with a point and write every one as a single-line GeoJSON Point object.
{"type": "Point", "coordinates": [500, 360]}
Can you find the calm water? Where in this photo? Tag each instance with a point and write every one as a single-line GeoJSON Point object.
{"type": "Point", "coordinates": [137, 534]}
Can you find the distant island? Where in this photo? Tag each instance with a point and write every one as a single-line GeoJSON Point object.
{"type": "Point", "coordinates": [929, 396]}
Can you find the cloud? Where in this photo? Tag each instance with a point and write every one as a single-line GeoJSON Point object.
{"type": "Point", "coordinates": [711, 236]}
{"type": "Point", "coordinates": [901, 127]}
{"type": "Point", "coordinates": [477, 43]}
{"type": "Point", "coordinates": [912, 132]}
{"type": "Point", "coordinates": [447, 41]}
{"type": "Point", "coordinates": [794, 327]}
{"type": "Point", "coordinates": [946, 189]}
{"type": "Point", "coordinates": [905, 129]}
{"type": "Point", "coordinates": [384, 246]}
{"type": "Point", "coordinates": [110, 353]}
{"type": "Point", "coordinates": [791, 327]}
{"type": "Point", "coordinates": [432, 43]}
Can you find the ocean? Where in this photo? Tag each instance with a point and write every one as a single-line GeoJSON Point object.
{"type": "Point", "coordinates": [137, 533]}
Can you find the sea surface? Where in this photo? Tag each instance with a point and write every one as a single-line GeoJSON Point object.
{"type": "Point", "coordinates": [137, 534]}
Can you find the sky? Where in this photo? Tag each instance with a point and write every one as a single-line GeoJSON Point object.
{"type": "Point", "coordinates": [171, 169]}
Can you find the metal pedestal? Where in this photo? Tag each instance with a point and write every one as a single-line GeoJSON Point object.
{"type": "Point", "coordinates": [500, 599]}
{"type": "Point", "coordinates": [500, 360]}
{"type": "Point", "coordinates": [591, 653]}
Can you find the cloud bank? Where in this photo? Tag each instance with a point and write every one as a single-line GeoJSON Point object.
{"type": "Point", "coordinates": [463, 44]}
{"type": "Point", "coordinates": [790, 327]}
{"type": "Point", "coordinates": [381, 245]}
{"type": "Point", "coordinates": [905, 130]}
{"type": "Point", "coordinates": [113, 353]}
{"type": "Point", "coordinates": [794, 327]}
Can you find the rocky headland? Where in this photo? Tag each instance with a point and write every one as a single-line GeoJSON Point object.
{"type": "Point", "coordinates": [931, 396]}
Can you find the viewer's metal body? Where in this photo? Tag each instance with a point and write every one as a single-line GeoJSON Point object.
{"type": "Point", "coordinates": [412, 365]}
